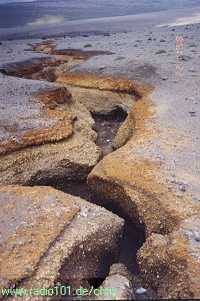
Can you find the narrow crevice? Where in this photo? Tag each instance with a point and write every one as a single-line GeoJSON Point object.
{"type": "Point", "coordinates": [106, 126]}
{"type": "Point", "coordinates": [133, 235]}
{"type": "Point", "coordinates": [95, 282]}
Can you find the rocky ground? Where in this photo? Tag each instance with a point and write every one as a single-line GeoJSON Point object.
{"type": "Point", "coordinates": [111, 120]}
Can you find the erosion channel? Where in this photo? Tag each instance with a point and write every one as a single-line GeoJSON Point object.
{"type": "Point", "coordinates": [99, 109]}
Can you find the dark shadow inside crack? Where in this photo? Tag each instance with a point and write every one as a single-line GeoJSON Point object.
{"type": "Point", "coordinates": [134, 234]}
{"type": "Point", "coordinates": [132, 239]}
{"type": "Point", "coordinates": [106, 126]}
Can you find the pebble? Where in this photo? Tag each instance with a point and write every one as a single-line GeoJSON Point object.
{"type": "Point", "coordinates": [182, 187]}
{"type": "Point", "coordinates": [84, 212]}
{"type": "Point", "coordinates": [160, 51]}
{"type": "Point", "coordinates": [102, 67]}
{"type": "Point", "coordinates": [140, 291]}
{"type": "Point", "coordinates": [197, 236]}
{"type": "Point", "coordinates": [192, 113]}
{"type": "Point", "coordinates": [87, 45]}
{"type": "Point", "coordinates": [120, 58]}
{"type": "Point", "coordinates": [184, 58]}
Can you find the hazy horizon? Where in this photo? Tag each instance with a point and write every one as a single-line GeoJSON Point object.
{"type": "Point", "coordinates": [15, 13]}
{"type": "Point", "coordinates": [180, 3]}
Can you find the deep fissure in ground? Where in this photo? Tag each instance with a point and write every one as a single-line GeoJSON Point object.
{"type": "Point", "coordinates": [106, 126]}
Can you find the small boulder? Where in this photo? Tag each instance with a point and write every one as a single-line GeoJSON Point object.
{"type": "Point", "coordinates": [184, 58]}
{"type": "Point", "coordinates": [160, 52]}
{"type": "Point", "coordinates": [87, 45]}
{"type": "Point", "coordinates": [117, 285]}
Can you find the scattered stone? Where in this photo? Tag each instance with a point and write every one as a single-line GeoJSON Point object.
{"type": "Point", "coordinates": [140, 291]}
{"type": "Point", "coordinates": [197, 236]}
{"type": "Point", "coordinates": [119, 58]}
{"type": "Point", "coordinates": [192, 114]}
{"type": "Point", "coordinates": [184, 58]}
{"type": "Point", "coordinates": [160, 51]}
{"type": "Point", "coordinates": [187, 27]}
{"type": "Point", "coordinates": [119, 280]}
{"type": "Point", "coordinates": [183, 187]}
{"type": "Point", "coordinates": [87, 45]}
{"type": "Point", "coordinates": [102, 68]}
{"type": "Point", "coordinates": [192, 45]}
